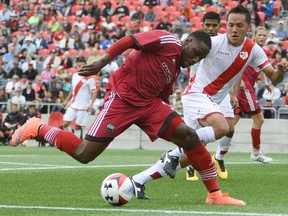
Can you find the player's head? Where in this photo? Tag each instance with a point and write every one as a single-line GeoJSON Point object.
{"type": "Point", "coordinates": [211, 23]}
{"type": "Point", "coordinates": [238, 24]}
{"type": "Point", "coordinates": [80, 62]}
{"type": "Point", "coordinates": [260, 35]}
{"type": "Point", "coordinates": [195, 47]}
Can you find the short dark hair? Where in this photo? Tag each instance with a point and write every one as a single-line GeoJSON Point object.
{"type": "Point", "coordinates": [202, 36]}
{"type": "Point", "coordinates": [211, 15]}
{"type": "Point", "coordinates": [239, 9]}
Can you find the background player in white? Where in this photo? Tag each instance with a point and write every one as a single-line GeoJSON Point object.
{"type": "Point", "coordinates": [82, 97]}
{"type": "Point", "coordinates": [230, 54]}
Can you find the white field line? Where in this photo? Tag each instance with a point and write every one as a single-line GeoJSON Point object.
{"type": "Point", "coordinates": [154, 211]}
{"type": "Point", "coordinates": [55, 167]}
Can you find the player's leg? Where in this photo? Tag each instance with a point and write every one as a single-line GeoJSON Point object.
{"type": "Point", "coordinates": [256, 155]}
{"type": "Point", "coordinates": [68, 117]}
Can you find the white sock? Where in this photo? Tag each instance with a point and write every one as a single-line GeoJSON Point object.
{"type": "Point", "coordinates": [206, 134]}
{"type": "Point", "coordinates": [67, 129]}
{"type": "Point", "coordinates": [224, 145]}
{"type": "Point", "coordinates": [256, 152]}
{"type": "Point", "coordinates": [147, 175]}
{"type": "Point", "coordinates": [178, 152]}
{"type": "Point", "coordinates": [77, 133]}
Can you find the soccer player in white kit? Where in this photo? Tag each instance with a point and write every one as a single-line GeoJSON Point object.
{"type": "Point", "coordinates": [216, 76]}
{"type": "Point", "coordinates": [82, 97]}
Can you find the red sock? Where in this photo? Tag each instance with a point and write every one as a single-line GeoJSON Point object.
{"type": "Point", "coordinates": [63, 140]}
{"type": "Point", "coordinates": [201, 160]}
{"type": "Point", "coordinates": [255, 133]}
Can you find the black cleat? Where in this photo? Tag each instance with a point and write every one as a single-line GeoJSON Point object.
{"type": "Point", "coordinates": [139, 190]}
{"type": "Point", "coordinates": [169, 164]}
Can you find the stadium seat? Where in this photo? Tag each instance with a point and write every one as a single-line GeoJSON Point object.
{"type": "Point", "coordinates": [73, 52]}
{"type": "Point", "coordinates": [100, 52]}
{"type": "Point", "coordinates": [232, 4]}
{"type": "Point", "coordinates": [56, 119]}
{"type": "Point", "coordinates": [212, 8]}
{"type": "Point", "coordinates": [86, 20]}
{"type": "Point", "coordinates": [195, 20]}
{"type": "Point", "coordinates": [51, 46]}
{"type": "Point", "coordinates": [71, 18]}
{"type": "Point", "coordinates": [43, 52]}
{"type": "Point", "coordinates": [157, 9]}
{"type": "Point", "coordinates": [262, 17]}
{"type": "Point", "coordinates": [285, 44]}
{"type": "Point", "coordinates": [87, 53]}
{"type": "Point", "coordinates": [76, 8]}
{"type": "Point", "coordinates": [277, 8]}
{"type": "Point", "coordinates": [170, 9]}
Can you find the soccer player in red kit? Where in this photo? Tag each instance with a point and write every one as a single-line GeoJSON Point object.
{"type": "Point", "coordinates": [136, 94]}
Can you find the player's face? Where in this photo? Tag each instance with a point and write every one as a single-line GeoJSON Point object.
{"type": "Point", "coordinates": [260, 37]}
{"type": "Point", "coordinates": [237, 28]}
{"type": "Point", "coordinates": [211, 26]}
{"type": "Point", "coordinates": [193, 52]}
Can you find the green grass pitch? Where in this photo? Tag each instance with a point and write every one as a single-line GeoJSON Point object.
{"type": "Point", "coordinates": [44, 181]}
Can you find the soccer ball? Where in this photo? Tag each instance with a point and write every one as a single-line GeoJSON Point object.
{"type": "Point", "coordinates": [117, 189]}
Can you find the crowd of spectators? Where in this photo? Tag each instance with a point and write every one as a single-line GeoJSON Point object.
{"type": "Point", "coordinates": [41, 40]}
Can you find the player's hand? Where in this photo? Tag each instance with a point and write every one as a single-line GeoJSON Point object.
{"type": "Point", "coordinates": [90, 69]}
{"type": "Point", "coordinates": [234, 102]}
{"type": "Point", "coordinates": [283, 65]}
{"type": "Point", "coordinates": [269, 88]}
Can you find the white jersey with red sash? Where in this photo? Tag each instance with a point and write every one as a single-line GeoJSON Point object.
{"type": "Point", "coordinates": [82, 88]}
{"type": "Point", "coordinates": [224, 65]}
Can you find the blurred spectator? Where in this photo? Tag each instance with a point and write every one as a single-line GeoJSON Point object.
{"type": "Point", "coordinates": [61, 73]}
{"type": "Point", "coordinates": [268, 113]}
{"type": "Point", "coordinates": [5, 13]}
{"type": "Point", "coordinates": [34, 19]}
{"type": "Point", "coordinates": [3, 74]}
{"type": "Point", "coordinates": [31, 48]}
{"type": "Point", "coordinates": [66, 24]}
{"type": "Point", "coordinates": [273, 37]}
{"type": "Point", "coordinates": [176, 102]}
{"type": "Point", "coordinates": [138, 14]}
{"type": "Point", "coordinates": [109, 25]}
{"type": "Point", "coordinates": [10, 65]}
{"type": "Point", "coordinates": [274, 95]}
{"type": "Point", "coordinates": [108, 69]}
{"type": "Point", "coordinates": [23, 82]}
{"type": "Point", "coordinates": [12, 85]}
{"type": "Point", "coordinates": [93, 56]}
{"type": "Point", "coordinates": [281, 50]}
{"type": "Point", "coordinates": [13, 22]}
{"type": "Point", "coordinates": [255, 19]}
{"type": "Point", "coordinates": [78, 45]}
{"type": "Point", "coordinates": [31, 73]}
{"type": "Point", "coordinates": [150, 2]}
{"type": "Point", "coordinates": [150, 15]}
{"type": "Point", "coordinates": [67, 42]}
{"type": "Point", "coordinates": [259, 88]}
{"type": "Point", "coordinates": [29, 92]}
{"type": "Point", "coordinates": [80, 56]}
{"type": "Point", "coordinates": [121, 10]}
{"type": "Point", "coordinates": [165, 24]}
{"type": "Point", "coordinates": [16, 45]}
{"type": "Point", "coordinates": [281, 33]}
{"type": "Point", "coordinates": [178, 29]}
{"type": "Point", "coordinates": [108, 10]}
{"type": "Point", "coordinates": [267, 6]}
{"type": "Point", "coordinates": [284, 91]}
{"type": "Point", "coordinates": [100, 96]}
{"type": "Point", "coordinates": [59, 35]}
{"type": "Point", "coordinates": [3, 47]}
{"type": "Point", "coordinates": [30, 113]}
{"type": "Point", "coordinates": [6, 35]}
{"type": "Point", "coordinates": [270, 48]}
{"type": "Point", "coordinates": [64, 8]}
{"type": "Point", "coordinates": [3, 99]}
{"type": "Point", "coordinates": [185, 12]}
{"type": "Point", "coordinates": [94, 10]}
{"type": "Point", "coordinates": [54, 25]}
{"type": "Point", "coordinates": [66, 85]}
{"type": "Point", "coordinates": [46, 74]}
{"type": "Point", "coordinates": [37, 83]}
{"type": "Point", "coordinates": [92, 40]}
{"type": "Point", "coordinates": [81, 25]}
{"type": "Point", "coordinates": [10, 124]}
{"type": "Point", "coordinates": [67, 62]}
{"type": "Point", "coordinates": [28, 60]}
{"type": "Point", "coordinates": [15, 70]}
{"type": "Point", "coordinates": [53, 60]}
{"type": "Point", "coordinates": [19, 99]}
{"type": "Point", "coordinates": [104, 43]}
{"type": "Point", "coordinates": [7, 57]}
{"type": "Point", "coordinates": [276, 60]}
{"type": "Point", "coordinates": [40, 42]}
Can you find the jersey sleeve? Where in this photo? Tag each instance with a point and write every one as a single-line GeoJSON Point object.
{"type": "Point", "coordinates": [157, 42]}
{"type": "Point", "coordinates": [260, 60]}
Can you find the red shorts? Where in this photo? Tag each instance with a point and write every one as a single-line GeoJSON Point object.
{"type": "Point", "coordinates": [248, 102]}
{"type": "Point", "coordinates": [117, 115]}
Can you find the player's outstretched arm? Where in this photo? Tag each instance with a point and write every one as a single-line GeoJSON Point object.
{"type": "Point", "coordinates": [276, 76]}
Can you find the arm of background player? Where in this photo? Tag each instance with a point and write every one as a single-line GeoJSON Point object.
{"type": "Point", "coordinates": [93, 97]}
{"type": "Point", "coordinates": [234, 94]}
{"type": "Point", "coordinates": [263, 78]}
{"type": "Point", "coordinates": [276, 76]}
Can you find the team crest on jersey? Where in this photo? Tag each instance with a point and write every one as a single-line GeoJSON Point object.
{"type": "Point", "coordinates": [243, 55]}
{"type": "Point", "coordinates": [110, 128]}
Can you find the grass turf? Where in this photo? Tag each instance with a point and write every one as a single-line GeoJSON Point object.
{"type": "Point", "coordinates": [45, 181]}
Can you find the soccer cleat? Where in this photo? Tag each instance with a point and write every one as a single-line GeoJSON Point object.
{"type": "Point", "coordinates": [138, 190]}
{"type": "Point", "coordinates": [219, 198]}
{"type": "Point", "coordinates": [220, 168]}
{"type": "Point", "coordinates": [191, 174]}
{"type": "Point", "coordinates": [261, 158]}
{"type": "Point", "coordinates": [169, 164]}
{"type": "Point", "coordinates": [26, 131]}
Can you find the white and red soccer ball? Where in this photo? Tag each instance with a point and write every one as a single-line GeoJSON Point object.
{"type": "Point", "coordinates": [117, 189]}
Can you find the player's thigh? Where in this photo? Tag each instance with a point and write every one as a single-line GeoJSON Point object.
{"type": "Point", "coordinates": [81, 118]}
{"type": "Point", "coordinates": [69, 115]}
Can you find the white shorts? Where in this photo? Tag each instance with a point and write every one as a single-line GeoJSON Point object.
{"type": "Point", "coordinates": [198, 106]}
{"type": "Point", "coordinates": [80, 116]}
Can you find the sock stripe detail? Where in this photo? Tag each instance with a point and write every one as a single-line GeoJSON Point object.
{"type": "Point", "coordinates": [208, 174]}
{"type": "Point", "coordinates": [51, 135]}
